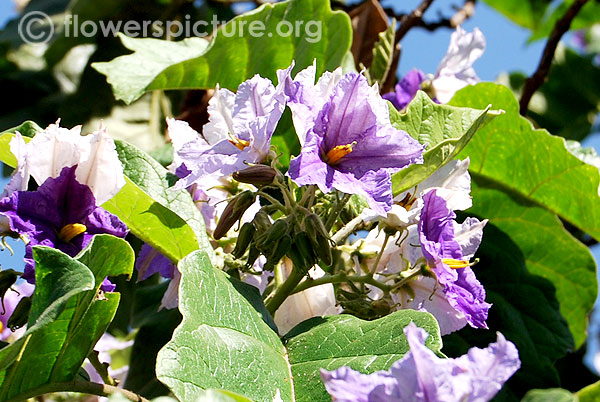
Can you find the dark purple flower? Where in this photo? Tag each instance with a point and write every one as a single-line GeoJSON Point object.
{"type": "Point", "coordinates": [61, 213]}
{"type": "Point", "coordinates": [151, 261]}
{"type": "Point", "coordinates": [449, 261]}
{"type": "Point", "coordinates": [406, 89]}
{"type": "Point", "coordinates": [351, 145]}
{"type": "Point", "coordinates": [421, 376]}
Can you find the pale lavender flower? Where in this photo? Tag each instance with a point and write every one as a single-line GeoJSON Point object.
{"type": "Point", "coordinates": [350, 144]}
{"type": "Point", "coordinates": [238, 132]}
{"type": "Point", "coordinates": [421, 376]}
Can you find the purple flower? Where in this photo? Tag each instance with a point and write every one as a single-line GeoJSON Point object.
{"type": "Point", "coordinates": [406, 89]}
{"type": "Point", "coordinates": [238, 132]}
{"type": "Point", "coordinates": [448, 259]}
{"type": "Point", "coordinates": [62, 213]}
{"type": "Point", "coordinates": [421, 376]}
{"type": "Point", "coordinates": [151, 261]}
{"type": "Point", "coordinates": [350, 144]}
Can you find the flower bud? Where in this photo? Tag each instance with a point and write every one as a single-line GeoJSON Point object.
{"type": "Point", "coordinates": [244, 238]}
{"type": "Point", "coordinates": [261, 221]}
{"type": "Point", "coordinates": [267, 241]}
{"type": "Point", "coordinates": [253, 255]}
{"type": "Point", "coordinates": [20, 315]}
{"type": "Point", "coordinates": [305, 250]}
{"type": "Point", "coordinates": [259, 175]}
{"type": "Point", "coordinates": [319, 237]}
{"type": "Point", "coordinates": [283, 246]}
{"type": "Point", "coordinates": [233, 212]}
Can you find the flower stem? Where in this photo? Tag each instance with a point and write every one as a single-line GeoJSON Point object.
{"type": "Point", "coordinates": [339, 205]}
{"type": "Point", "coordinates": [286, 289]}
{"type": "Point", "coordinates": [341, 235]}
{"type": "Point", "coordinates": [101, 368]}
{"type": "Point", "coordinates": [84, 387]}
{"type": "Point", "coordinates": [378, 258]}
{"type": "Point", "coordinates": [340, 278]}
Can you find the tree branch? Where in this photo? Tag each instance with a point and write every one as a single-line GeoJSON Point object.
{"type": "Point", "coordinates": [411, 20]}
{"type": "Point", "coordinates": [533, 83]}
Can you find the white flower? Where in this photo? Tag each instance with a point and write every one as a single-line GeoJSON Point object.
{"type": "Point", "coordinates": [56, 148]}
{"type": "Point", "coordinates": [455, 70]}
{"type": "Point", "coordinates": [313, 302]}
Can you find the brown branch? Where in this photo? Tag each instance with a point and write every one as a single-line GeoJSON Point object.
{"type": "Point", "coordinates": [533, 83]}
{"type": "Point", "coordinates": [411, 20]}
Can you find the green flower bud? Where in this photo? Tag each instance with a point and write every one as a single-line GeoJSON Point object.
{"type": "Point", "coordinates": [233, 212]}
{"type": "Point", "coordinates": [267, 241]}
{"type": "Point", "coordinates": [244, 238]}
{"type": "Point", "coordinates": [259, 175]}
{"type": "Point", "coordinates": [283, 246]}
{"type": "Point", "coordinates": [261, 221]}
{"type": "Point", "coordinates": [20, 316]}
{"type": "Point", "coordinates": [319, 237]}
{"type": "Point", "coordinates": [305, 249]}
{"type": "Point", "coordinates": [253, 255]}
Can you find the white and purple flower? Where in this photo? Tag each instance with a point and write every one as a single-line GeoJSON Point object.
{"type": "Point", "coordinates": [348, 141]}
{"type": "Point", "coordinates": [448, 257]}
{"type": "Point", "coordinates": [62, 214]}
{"type": "Point", "coordinates": [422, 376]}
{"type": "Point", "coordinates": [238, 132]}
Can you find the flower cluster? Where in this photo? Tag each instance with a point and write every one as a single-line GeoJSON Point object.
{"type": "Point", "coordinates": [286, 228]}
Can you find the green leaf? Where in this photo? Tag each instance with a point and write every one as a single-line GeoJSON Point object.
{"type": "Point", "coordinates": [242, 353]}
{"type": "Point", "coordinates": [213, 348]}
{"type": "Point", "coordinates": [219, 395]}
{"type": "Point", "coordinates": [549, 395]}
{"type": "Point", "coordinates": [514, 156]}
{"type": "Point", "coordinates": [383, 55]}
{"type": "Point", "coordinates": [445, 130]}
{"type": "Point", "coordinates": [587, 16]}
{"type": "Point", "coordinates": [528, 13]}
{"type": "Point", "coordinates": [532, 176]}
{"type": "Point", "coordinates": [566, 104]}
{"type": "Point", "coordinates": [233, 56]}
{"type": "Point", "coordinates": [591, 393]}
{"type": "Point", "coordinates": [147, 204]}
{"type": "Point", "coordinates": [67, 317]}
{"type": "Point", "coordinates": [130, 75]}
{"type": "Point", "coordinates": [344, 340]}
{"type": "Point", "coordinates": [28, 129]}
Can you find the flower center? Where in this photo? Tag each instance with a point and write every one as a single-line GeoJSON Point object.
{"type": "Point", "coordinates": [338, 152]}
{"type": "Point", "coordinates": [456, 264]}
{"type": "Point", "coordinates": [68, 232]}
{"type": "Point", "coordinates": [239, 144]}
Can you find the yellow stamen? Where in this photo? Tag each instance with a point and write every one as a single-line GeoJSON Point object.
{"type": "Point", "coordinates": [68, 232]}
{"type": "Point", "coordinates": [1, 327]}
{"type": "Point", "coordinates": [456, 264]}
{"type": "Point", "coordinates": [239, 144]}
{"type": "Point", "coordinates": [338, 152]}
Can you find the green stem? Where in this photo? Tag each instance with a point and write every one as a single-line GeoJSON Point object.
{"type": "Point", "coordinates": [336, 211]}
{"type": "Point", "coordinates": [340, 278]}
{"type": "Point", "coordinates": [285, 290]}
{"type": "Point", "coordinates": [273, 201]}
{"type": "Point", "coordinates": [378, 258]}
{"type": "Point", "coordinates": [101, 368]}
{"type": "Point", "coordinates": [84, 387]}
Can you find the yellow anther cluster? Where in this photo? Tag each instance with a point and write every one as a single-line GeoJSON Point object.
{"type": "Point", "coordinates": [239, 144]}
{"type": "Point", "coordinates": [456, 264]}
{"type": "Point", "coordinates": [68, 232]}
{"type": "Point", "coordinates": [338, 152]}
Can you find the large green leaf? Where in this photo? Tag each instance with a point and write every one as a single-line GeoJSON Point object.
{"type": "Point", "coordinates": [242, 353]}
{"type": "Point", "coordinates": [130, 75]}
{"type": "Point", "coordinates": [233, 55]}
{"type": "Point", "coordinates": [67, 316]}
{"type": "Point", "coordinates": [344, 340]}
{"type": "Point", "coordinates": [514, 156]}
{"type": "Point", "coordinates": [214, 348]}
{"type": "Point", "coordinates": [445, 130]}
{"type": "Point", "coordinates": [383, 56]}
